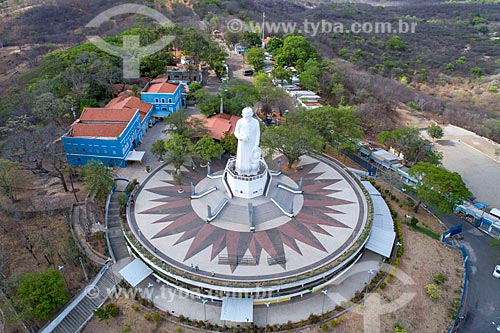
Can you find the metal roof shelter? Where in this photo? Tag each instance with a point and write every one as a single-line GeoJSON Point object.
{"type": "Point", "coordinates": [382, 235]}
{"type": "Point", "coordinates": [135, 272]}
{"type": "Point", "coordinates": [135, 156]}
{"type": "Point", "coordinates": [238, 310]}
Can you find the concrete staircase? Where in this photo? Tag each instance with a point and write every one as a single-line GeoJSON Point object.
{"type": "Point", "coordinates": [116, 238]}
{"type": "Point", "coordinates": [79, 311]}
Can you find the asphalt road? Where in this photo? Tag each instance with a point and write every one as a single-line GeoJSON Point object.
{"type": "Point", "coordinates": [483, 297]}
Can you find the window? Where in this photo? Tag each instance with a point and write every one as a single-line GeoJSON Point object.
{"type": "Point", "coordinates": [83, 149]}
{"type": "Point", "coordinates": [114, 152]}
{"type": "Point", "coordinates": [170, 100]}
{"type": "Point", "coordinates": [105, 151]}
{"type": "Point", "coordinates": [79, 159]}
{"type": "Point", "coordinates": [164, 109]}
{"type": "Point", "coordinates": [156, 100]}
{"type": "Point", "coordinates": [76, 150]}
{"type": "Point", "coordinates": [90, 150]}
{"type": "Point", "coordinates": [163, 100]}
{"type": "Point", "coordinates": [97, 151]}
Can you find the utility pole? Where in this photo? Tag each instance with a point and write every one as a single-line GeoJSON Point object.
{"type": "Point", "coordinates": [263, 20]}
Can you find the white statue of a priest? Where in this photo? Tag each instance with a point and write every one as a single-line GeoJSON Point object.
{"type": "Point", "coordinates": [248, 134]}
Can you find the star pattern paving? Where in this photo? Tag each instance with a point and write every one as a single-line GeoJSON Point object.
{"type": "Point", "coordinates": [174, 210]}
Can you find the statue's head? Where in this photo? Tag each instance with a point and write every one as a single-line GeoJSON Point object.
{"type": "Point", "coordinates": [247, 112]}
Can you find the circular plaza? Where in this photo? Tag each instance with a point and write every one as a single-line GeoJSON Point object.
{"type": "Point", "coordinates": [311, 225]}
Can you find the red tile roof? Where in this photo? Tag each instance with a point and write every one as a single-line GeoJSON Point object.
{"type": "Point", "coordinates": [103, 114]}
{"type": "Point", "coordinates": [160, 86]}
{"type": "Point", "coordinates": [219, 124]}
{"type": "Point", "coordinates": [97, 130]}
{"type": "Point", "coordinates": [130, 102]}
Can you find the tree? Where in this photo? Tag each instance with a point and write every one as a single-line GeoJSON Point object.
{"type": "Point", "coordinates": [255, 57]}
{"type": "Point", "coordinates": [267, 91]}
{"type": "Point", "coordinates": [497, 153]}
{"type": "Point", "coordinates": [8, 178]}
{"type": "Point", "coordinates": [229, 142]}
{"type": "Point", "coordinates": [194, 87]}
{"type": "Point", "coordinates": [308, 81]}
{"type": "Point", "coordinates": [407, 141]}
{"type": "Point", "coordinates": [238, 97]}
{"type": "Point", "coordinates": [250, 39]}
{"type": "Point", "coordinates": [438, 187]}
{"type": "Point", "coordinates": [178, 149]}
{"type": "Point", "coordinates": [274, 44]}
{"type": "Point", "coordinates": [435, 131]}
{"type": "Point", "coordinates": [291, 140]}
{"type": "Point", "coordinates": [38, 150]}
{"type": "Point", "coordinates": [279, 73]}
{"type": "Point", "coordinates": [395, 43]}
{"type": "Point", "coordinates": [181, 123]}
{"type": "Point", "coordinates": [40, 295]}
{"type": "Point", "coordinates": [158, 149]}
{"type": "Point", "coordinates": [206, 148]}
{"type": "Point", "coordinates": [296, 50]}
{"type": "Point", "coordinates": [338, 126]}
{"type": "Point", "coordinates": [98, 179]}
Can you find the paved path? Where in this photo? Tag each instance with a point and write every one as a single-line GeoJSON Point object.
{"type": "Point", "coordinates": [167, 299]}
{"type": "Point", "coordinates": [473, 158]}
{"type": "Point", "coordinates": [482, 304]}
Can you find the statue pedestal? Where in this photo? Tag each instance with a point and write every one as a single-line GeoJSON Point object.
{"type": "Point", "coordinates": [247, 187]}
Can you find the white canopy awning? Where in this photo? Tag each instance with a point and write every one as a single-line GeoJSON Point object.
{"type": "Point", "coordinates": [135, 272]}
{"type": "Point", "coordinates": [382, 235]}
{"type": "Point", "coordinates": [238, 310]}
{"type": "Point", "coordinates": [135, 156]}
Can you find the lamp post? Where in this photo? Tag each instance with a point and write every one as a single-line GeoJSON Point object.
{"type": "Point", "coordinates": [204, 301]}
{"type": "Point", "coordinates": [324, 292]}
{"type": "Point", "coordinates": [267, 313]}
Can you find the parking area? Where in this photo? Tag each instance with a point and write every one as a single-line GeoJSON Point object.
{"type": "Point", "coordinates": [473, 158]}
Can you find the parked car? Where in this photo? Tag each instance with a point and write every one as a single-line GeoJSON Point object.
{"type": "Point", "coordinates": [248, 72]}
{"type": "Point", "coordinates": [496, 272]}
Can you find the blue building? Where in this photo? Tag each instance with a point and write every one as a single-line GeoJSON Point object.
{"type": "Point", "coordinates": [102, 134]}
{"type": "Point", "coordinates": [165, 97]}
{"type": "Point", "coordinates": [134, 103]}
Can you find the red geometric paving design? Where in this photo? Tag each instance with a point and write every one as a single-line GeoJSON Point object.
{"type": "Point", "coordinates": [179, 218]}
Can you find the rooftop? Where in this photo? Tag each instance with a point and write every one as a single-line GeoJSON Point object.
{"type": "Point", "coordinates": [107, 114]}
{"type": "Point", "coordinates": [160, 86]}
{"type": "Point", "coordinates": [97, 130]}
{"type": "Point", "coordinates": [219, 124]}
{"type": "Point", "coordinates": [130, 102]}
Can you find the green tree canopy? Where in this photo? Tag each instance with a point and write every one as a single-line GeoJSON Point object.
{"type": "Point", "coordinates": [296, 50]}
{"type": "Point", "coordinates": [279, 73]}
{"type": "Point", "coordinates": [98, 179]}
{"type": "Point", "coordinates": [338, 126]}
{"type": "Point", "coordinates": [229, 142]}
{"type": "Point", "coordinates": [407, 141]}
{"type": "Point", "coordinates": [435, 131]}
{"type": "Point", "coordinates": [274, 44]}
{"type": "Point", "coordinates": [40, 295]}
{"type": "Point", "coordinates": [181, 123]}
{"type": "Point", "coordinates": [158, 149]}
{"type": "Point", "coordinates": [178, 149]}
{"type": "Point", "coordinates": [308, 81]}
{"type": "Point", "coordinates": [206, 148]}
{"type": "Point", "coordinates": [255, 57]}
{"type": "Point", "coordinates": [438, 187]}
{"type": "Point", "coordinates": [292, 140]}
{"type": "Point", "coordinates": [250, 39]}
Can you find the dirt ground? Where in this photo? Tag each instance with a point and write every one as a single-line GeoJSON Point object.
{"type": "Point", "coordinates": [422, 258]}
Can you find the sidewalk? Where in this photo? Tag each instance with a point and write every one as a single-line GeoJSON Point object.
{"type": "Point", "coordinates": [342, 290]}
